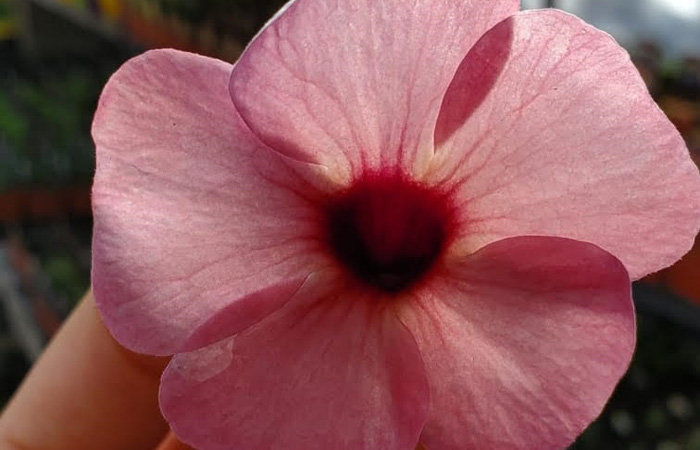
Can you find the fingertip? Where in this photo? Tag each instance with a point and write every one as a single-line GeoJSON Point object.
{"type": "Point", "coordinates": [170, 442]}
{"type": "Point", "coordinates": [86, 391]}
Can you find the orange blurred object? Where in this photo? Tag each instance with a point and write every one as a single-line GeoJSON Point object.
{"type": "Point", "coordinates": [683, 278]}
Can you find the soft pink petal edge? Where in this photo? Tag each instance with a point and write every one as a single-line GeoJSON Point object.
{"type": "Point", "coordinates": [523, 343]}
{"type": "Point", "coordinates": [566, 142]}
{"type": "Point", "coordinates": [182, 190]}
{"type": "Point", "coordinates": [366, 78]}
{"type": "Point", "coordinates": [332, 369]}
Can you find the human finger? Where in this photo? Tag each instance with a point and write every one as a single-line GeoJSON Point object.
{"type": "Point", "coordinates": [86, 392]}
{"type": "Point", "coordinates": [172, 443]}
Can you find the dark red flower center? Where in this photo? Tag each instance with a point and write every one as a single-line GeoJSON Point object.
{"type": "Point", "coordinates": [388, 230]}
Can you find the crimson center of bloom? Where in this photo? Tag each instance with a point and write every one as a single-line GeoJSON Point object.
{"type": "Point", "coordinates": [389, 231]}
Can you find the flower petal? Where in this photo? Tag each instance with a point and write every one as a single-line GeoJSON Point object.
{"type": "Point", "coordinates": [523, 343]}
{"type": "Point", "coordinates": [352, 85]}
{"type": "Point", "coordinates": [192, 213]}
{"type": "Point", "coordinates": [330, 370]}
{"type": "Point", "coordinates": [566, 142]}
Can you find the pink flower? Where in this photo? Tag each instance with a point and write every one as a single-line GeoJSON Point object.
{"type": "Point", "coordinates": [387, 224]}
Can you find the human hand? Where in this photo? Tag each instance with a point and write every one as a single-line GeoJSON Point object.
{"type": "Point", "coordinates": [88, 392]}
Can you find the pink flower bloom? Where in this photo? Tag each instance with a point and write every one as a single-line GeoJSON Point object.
{"type": "Point", "coordinates": [387, 224]}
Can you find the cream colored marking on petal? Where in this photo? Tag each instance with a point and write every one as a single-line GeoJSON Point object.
{"type": "Point", "coordinates": [190, 364]}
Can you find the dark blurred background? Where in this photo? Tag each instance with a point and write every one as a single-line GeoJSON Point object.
{"type": "Point", "coordinates": [55, 55]}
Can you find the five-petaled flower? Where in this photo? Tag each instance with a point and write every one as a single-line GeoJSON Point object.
{"type": "Point", "coordinates": [389, 223]}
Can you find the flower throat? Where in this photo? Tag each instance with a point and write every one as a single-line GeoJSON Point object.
{"type": "Point", "coordinates": [388, 231]}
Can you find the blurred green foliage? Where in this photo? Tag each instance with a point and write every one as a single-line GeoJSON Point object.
{"type": "Point", "coordinates": [237, 18]}
{"type": "Point", "coordinates": [45, 128]}
{"type": "Point", "coordinates": [67, 279]}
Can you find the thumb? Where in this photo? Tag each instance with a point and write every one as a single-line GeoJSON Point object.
{"type": "Point", "coordinates": [170, 442]}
